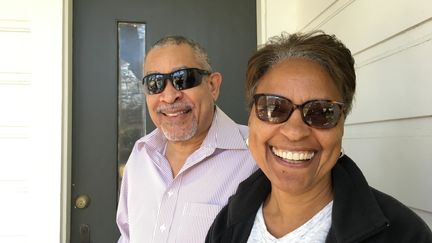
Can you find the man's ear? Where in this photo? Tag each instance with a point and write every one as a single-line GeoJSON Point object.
{"type": "Point", "coordinates": [214, 83]}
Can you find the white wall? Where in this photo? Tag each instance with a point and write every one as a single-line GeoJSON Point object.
{"type": "Point", "coordinates": [389, 133]}
{"type": "Point", "coordinates": [31, 102]}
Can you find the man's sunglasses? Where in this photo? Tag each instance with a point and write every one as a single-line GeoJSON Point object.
{"type": "Point", "coordinates": [315, 113]}
{"type": "Point", "coordinates": [181, 79]}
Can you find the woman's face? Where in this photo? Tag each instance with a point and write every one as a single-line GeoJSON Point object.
{"type": "Point", "coordinates": [282, 150]}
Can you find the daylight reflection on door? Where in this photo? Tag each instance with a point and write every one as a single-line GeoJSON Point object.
{"type": "Point", "coordinates": [131, 100]}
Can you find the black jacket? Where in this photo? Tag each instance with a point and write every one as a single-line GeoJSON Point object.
{"type": "Point", "coordinates": [360, 213]}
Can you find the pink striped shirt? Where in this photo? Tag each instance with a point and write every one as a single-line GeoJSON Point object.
{"type": "Point", "coordinates": [155, 207]}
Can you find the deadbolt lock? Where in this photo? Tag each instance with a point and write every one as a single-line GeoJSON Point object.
{"type": "Point", "coordinates": [82, 201]}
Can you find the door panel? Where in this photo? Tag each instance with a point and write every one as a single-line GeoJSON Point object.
{"type": "Point", "coordinates": [227, 29]}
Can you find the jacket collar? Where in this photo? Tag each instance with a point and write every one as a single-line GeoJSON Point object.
{"type": "Point", "coordinates": [356, 213]}
{"type": "Point", "coordinates": [251, 192]}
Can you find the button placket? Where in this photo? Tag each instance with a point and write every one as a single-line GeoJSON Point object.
{"type": "Point", "coordinates": [162, 228]}
{"type": "Point", "coordinates": [166, 212]}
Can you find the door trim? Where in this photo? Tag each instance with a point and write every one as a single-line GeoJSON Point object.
{"type": "Point", "coordinates": [66, 147]}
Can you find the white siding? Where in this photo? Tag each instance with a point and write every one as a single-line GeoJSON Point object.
{"type": "Point", "coordinates": [15, 124]}
{"type": "Point", "coordinates": [389, 133]}
{"type": "Point", "coordinates": [30, 120]}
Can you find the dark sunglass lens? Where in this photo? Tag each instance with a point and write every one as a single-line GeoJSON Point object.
{"type": "Point", "coordinates": [273, 109]}
{"type": "Point", "coordinates": [321, 114]}
{"type": "Point", "coordinates": [154, 83]}
{"type": "Point", "coordinates": [186, 78]}
{"type": "Point", "coordinates": [180, 79]}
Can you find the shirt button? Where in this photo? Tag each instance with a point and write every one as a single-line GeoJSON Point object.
{"type": "Point", "coordinates": [170, 193]}
{"type": "Point", "coordinates": [162, 228]}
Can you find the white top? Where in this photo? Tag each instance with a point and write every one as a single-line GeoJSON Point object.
{"type": "Point", "coordinates": [313, 231]}
{"type": "Point", "coordinates": [155, 207]}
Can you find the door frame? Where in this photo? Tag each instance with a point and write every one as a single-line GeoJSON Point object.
{"type": "Point", "coordinates": [66, 122]}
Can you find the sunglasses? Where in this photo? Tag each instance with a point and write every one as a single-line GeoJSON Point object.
{"type": "Point", "coordinates": [182, 79]}
{"type": "Point", "coordinates": [315, 113]}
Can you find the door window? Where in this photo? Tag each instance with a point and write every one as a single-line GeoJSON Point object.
{"type": "Point", "coordinates": [131, 100]}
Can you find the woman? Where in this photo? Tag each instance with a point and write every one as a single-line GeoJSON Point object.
{"type": "Point", "coordinates": [300, 89]}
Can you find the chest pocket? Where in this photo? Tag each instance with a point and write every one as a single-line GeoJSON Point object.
{"type": "Point", "coordinates": [196, 220]}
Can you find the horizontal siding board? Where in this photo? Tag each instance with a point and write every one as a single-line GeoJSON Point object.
{"type": "Point", "coordinates": [367, 22]}
{"type": "Point", "coordinates": [395, 87]}
{"type": "Point", "coordinates": [395, 157]}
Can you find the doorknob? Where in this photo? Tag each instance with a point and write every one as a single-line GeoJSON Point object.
{"type": "Point", "coordinates": [82, 201]}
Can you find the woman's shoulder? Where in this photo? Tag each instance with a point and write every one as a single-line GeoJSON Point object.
{"type": "Point", "coordinates": [403, 221]}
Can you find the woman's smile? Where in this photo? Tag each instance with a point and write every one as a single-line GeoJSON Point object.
{"type": "Point", "coordinates": [295, 157]}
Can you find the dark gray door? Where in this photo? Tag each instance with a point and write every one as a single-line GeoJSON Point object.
{"type": "Point", "coordinates": [226, 28]}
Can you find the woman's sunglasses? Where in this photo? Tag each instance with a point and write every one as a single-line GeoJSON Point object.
{"type": "Point", "coordinates": [315, 113]}
{"type": "Point", "coordinates": [181, 79]}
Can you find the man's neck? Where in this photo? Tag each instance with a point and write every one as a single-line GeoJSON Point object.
{"type": "Point", "coordinates": [178, 152]}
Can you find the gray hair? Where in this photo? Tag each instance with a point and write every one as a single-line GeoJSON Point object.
{"type": "Point", "coordinates": [316, 46]}
{"type": "Point", "coordinates": [200, 53]}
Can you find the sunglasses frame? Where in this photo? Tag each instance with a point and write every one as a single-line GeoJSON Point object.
{"type": "Point", "coordinates": [341, 106]}
{"type": "Point", "coordinates": [196, 72]}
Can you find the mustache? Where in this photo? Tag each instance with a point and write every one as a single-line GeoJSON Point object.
{"type": "Point", "coordinates": [173, 107]}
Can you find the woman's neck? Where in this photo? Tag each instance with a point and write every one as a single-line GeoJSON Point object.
{"type": "Point", "coordinates": [284, 212]}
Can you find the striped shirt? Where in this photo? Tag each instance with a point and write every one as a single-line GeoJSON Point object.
{"type": "Point", "coordinates": [155, 207]}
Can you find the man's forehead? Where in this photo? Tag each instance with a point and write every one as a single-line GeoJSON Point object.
{"type": "Point", "coordinates": [172, 70]}
{"type": "Point", "coordinates": [170, 47]}
{"type": "Point", "coordinates": [169, 58]}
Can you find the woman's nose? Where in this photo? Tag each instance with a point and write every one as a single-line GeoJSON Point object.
{"type": "Point", "coordinates": [295, 129]}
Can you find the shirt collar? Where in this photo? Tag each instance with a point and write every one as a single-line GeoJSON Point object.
{"type": "Point", "coordinates": [224, 133]}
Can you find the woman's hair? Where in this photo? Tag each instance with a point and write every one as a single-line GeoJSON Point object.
{"type": "Point", "coordinates": [316, 46]}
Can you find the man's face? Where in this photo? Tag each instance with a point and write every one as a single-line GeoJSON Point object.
{"type": "Point", "coordinates": [186, 114]}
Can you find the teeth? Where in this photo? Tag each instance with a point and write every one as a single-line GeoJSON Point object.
{"type": "Point", "coordinates": [294, 156]}
{"type": "Point", "coordinates": [175, 114]}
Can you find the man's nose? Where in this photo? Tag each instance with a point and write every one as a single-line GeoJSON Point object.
{"type": "Point", "coordinates": [170, 94]}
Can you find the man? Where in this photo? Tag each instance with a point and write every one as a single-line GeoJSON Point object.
{"type": "Point", "coordinates": [180, 175]}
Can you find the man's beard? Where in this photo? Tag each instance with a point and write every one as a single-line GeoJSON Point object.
{"type": "Point", "coordinates": [174, 133]}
